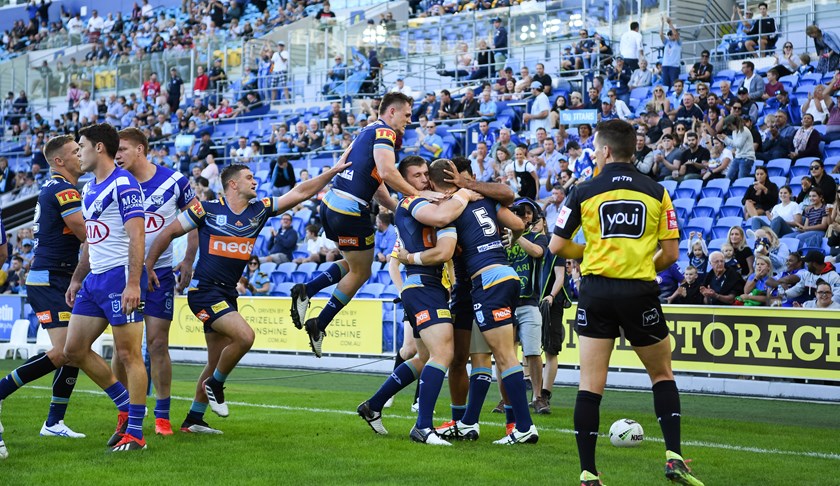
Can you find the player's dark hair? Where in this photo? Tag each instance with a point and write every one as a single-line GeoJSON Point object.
{"type": "Point", "coordinates": [634, 25]}
{"type": "Point", "coordinates": [437, 174]}
{"type": "Point", "coordinates": [54, 144]}
{"type": "Point", "coordinates": [230, 172]}
{"type": "Point", "coordinates": [136, 137]}
{"type": "Point", "coordinates": [104, 134]}
{"type": "Point", "coordinates": [393, 99]}
{"type": "Point", "coordinates": [411, 161]}
{"type": "Point", "coordinates": [620, 137]}
{"type": "Point", "coordinates": [462, 164]}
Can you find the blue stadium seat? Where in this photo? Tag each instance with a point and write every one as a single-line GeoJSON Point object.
{"type": "Point", "coordinates": [327, 292]}
{"type": "Point", "coordinates": [374, 271]}
{"type": "Point", "coordinates": [778, 167]}
{"type": "Point", "coordinates": [268, 267]}
{"type": "Point", "coordinates": [383, 277]}
{"type": "Point", "coordinates": [722, 225]}
{"type": "Point", "coordinates": [299, 254]}
{"type": "Point", "coordinates": [739, 187]}
{"type": "Point", "coordinates": [716, 188]}
{"type": "Point", "coordinates": [683, 207]}
{"type": "Point", "coordinates": [370, 291]}
{"type": "Point", "coordinates": [670, 186]}
{"type": "Point", "coordinates": [702, 225]}
{"type": "Point", "coordinates": [304, 272]}
{"type": "Point", "coordinates": [282, 289]}
{"type": "Point", "coordinates": [707, 207]}
{"type": "Point", "coordinates": [724, 75]}
{"type": "Point", "coordinates": [390, 292]}
{"type": "Point", "coordinates": [324, 266]}
{"type": "Point", "coordinates": [715, 244]}
{"type": "Point", "coordinates": [277, 278]}
{"type": "Point", "coordinates": [833, 149]}
{"type": "Point", "coordinates": [779, 180]}
{"type": "Point", "coordinates": [689, 189]}
{"type": "Point", "coordinates": [732, 207]}
{"type": "Point", "coordinates": [791, 243]}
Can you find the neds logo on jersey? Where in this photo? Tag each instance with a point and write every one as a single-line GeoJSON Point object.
{"type": "Point", "coordinates": [231, 247]}
{"type": "Point", "coordinates": [622, 219]}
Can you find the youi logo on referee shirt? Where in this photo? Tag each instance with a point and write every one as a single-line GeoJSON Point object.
{"type": "Point", "coordinates": [623, 219]}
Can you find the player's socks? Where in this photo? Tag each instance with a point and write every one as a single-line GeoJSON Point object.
{"type": "Point", "coordinates": [337, 302]}
{"type": "Point", "coordinates": [480, 379]}
{"type": "Point", "coordinates": [34, 368]}
{"type": "Point", "coordinates": [135, 420]}
{"type": "Point", "coordinates": [458, 412]}
{"type": "Point", "coordinates": [431, 381]}
{"type": "Point", "coordinates": [416, 392]}
{"type": "Point", "coordinates": [197, 411]}
{"type": "Point", "coordinates": [666, 404]}
{"type": "Point", "coordinates": [63, 383]}
{"type": "Point", "coordinates": [219, 376]}
{"type": "Point", "coordinates": [162, 408]}
{"type": "Point", "coordinates": [510, 417]}
{"type": "Point", "coordinates": [399, 379]}
{"type": "Point", "coordinates": [119, 395]}
{"type": "Point", "coordinates": [515, 387]}
{"type": "Point", "coordinates": [330, 276]}
{"type": "Point", "coordinates": [587, 418]}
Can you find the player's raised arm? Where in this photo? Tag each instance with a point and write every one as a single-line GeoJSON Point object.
{"type": "Point", "coordinates": [383, 197]}
{"type": "Point", "coordinates": [447, 238]}
{"type": "Point", "coordinates": [305, 190]}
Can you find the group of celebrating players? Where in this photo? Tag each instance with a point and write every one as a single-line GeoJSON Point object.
{"type": "Point", "coordinates": [126, 218]}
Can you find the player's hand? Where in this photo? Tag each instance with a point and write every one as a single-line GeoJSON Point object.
{"type": "Point", "coordinates": [550, 299]}
{"type": "Point", "coordinates": [131, 297]}
{"type": "Point", "coordinates": [453, 176]}
{"type": "Point", "coordinates": [72, 290]}
{"type": "Point", "coordinates": [474, 196]}
{"type": "Point", "coordinates": [402, 256]}
{"type": "Point", "coordinates": [185, 272]}
{"type": "Point", "coordinates": [431, 196]}
{"type": "Point", "coordinates": [154, 283]}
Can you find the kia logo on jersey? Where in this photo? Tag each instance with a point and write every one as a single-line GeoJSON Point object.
{"type": "Point", "coordinates": [623, 219]}
{"type": "Point", "coordinates": [96, 231]}
{"type": "Point", "coordinates": [154, 222]}
{"type": "Point", "coordinates": [231, 247]}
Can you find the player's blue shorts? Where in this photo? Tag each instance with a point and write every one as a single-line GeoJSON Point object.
{"type": "Point", "coordinates": [101, 296]}
{"type": "Point", "coordinates": [210, 302]}
{"type": "Point", "coordinates": [46, 292]}
{"type": "Point", "coordinates": [461, 307]}
{"type": "Point", "coordinates": [426, 302]}
{"type": "Point", "coordinates": [347, 222]}
{"type": "Point", "coordinates": [495, 294]}
{"type": "Point", "coordinates": [160, 302]}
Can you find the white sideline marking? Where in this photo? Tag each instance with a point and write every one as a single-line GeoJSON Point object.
{"type": "Point", "coordinates": [711, 445]}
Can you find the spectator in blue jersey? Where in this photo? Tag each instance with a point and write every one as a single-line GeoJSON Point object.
{"type": "Point", "coordinates": [484, 134]}
{"type": "Point", "coordinates": [500, 43]}
{"type": "Point", "coordinates": [335, 75]}
{"type": "Point", "coordinates": [581, 160]}
{"type": "Point", "coordinates": [255, 281]}
{"type": "Point", "coordinates": [672, 54]}
{"type": "Point", "coordinates": [431, 144]}
{"type": "Point", "coordinates": [487, 107]}
{"type": "Point", "coordinates": [385, 236]}
{"type": "Point", "coordinates": [282, 177]}
{"type": "Point", "coordinates": [668, 280]}
{"type": "Point", "coordinates": [283, 243]}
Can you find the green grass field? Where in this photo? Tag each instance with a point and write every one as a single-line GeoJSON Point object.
{"type": "Point", "coordinates": [301, 426]}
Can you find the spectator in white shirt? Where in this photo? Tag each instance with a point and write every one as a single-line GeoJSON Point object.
{"type": "Point", "coordinates": [538, 115]}
{"type": "Point", "coordinates": [401, 87]}
{"type": "Point", "coordinates": [631, 47]}
{"type": "Point", "coordinates": [75, 26]}
{"type": "Point", "coordinates": [95, 23]}
{"type": "Point", "coordinates": [243, 153]}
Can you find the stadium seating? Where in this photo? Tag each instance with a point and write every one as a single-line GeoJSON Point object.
{"type": "Point", "coordinates": [689, 189]}
{"type": "Point", "coordinates": [722, 226]}
{"type": "Point", "coordinates": [715, 188]}
{"type": "Point", "coordinates": [304, 272]}
{"type": "Point", "coordinates": [732, 207]}
{"type": "Point", "coordinates": [370, 291]}
{"type": "Point", "coordinates": [684, 207]}
{"type": "Point", "coordinates": [778, 167]}
{"type": "Point", "coordinates": [702, 225]}
{"type": "Point", "coordinates": [707, 207]}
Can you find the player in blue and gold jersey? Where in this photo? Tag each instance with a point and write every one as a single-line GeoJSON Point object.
{"type": "Point", "coordinates": [494, 292]}
{"type": "Point", "coordinates": [227, 230]}
{"type": "Point", "coordinates": [345, 214]}
{"type": "Point", "coordinates": [59, 230]}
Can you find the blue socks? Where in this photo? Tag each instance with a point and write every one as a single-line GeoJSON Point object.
{"type": "Point", "coordinates": [135, 420]}
{"type": "Point", "coordinates": [403, 376]}
{"type": "Point", "coordinates": [119, 395]}
{"type": "Point", "coordinates": [197, 410]}
{"type": "Point", "coordinates": [458, 411]}
{"type": "Point", "coordinates": [333, 307]}
{"type": "Point", "coordinates": [219, 376]}
{"type": "Point", "coordinates": [514, 383]}
{"type": "Point", "coordinates": [63, 383]}
{"type": "Point", "coordinates": [509, 417]}
{"type": "Point", "coordinates": [34, 368]}
{"type": "Point", "coordinates": [431, 381]}
{"type": "Point", "coordinates": [162, 408]}
{"type": "Point", "coordinates": [329, 277]}
{"type": "Point", "coordinates": [480, 379]}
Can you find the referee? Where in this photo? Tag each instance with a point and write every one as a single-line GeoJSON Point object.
{"type": "Point", "coordinates": [631, 229]}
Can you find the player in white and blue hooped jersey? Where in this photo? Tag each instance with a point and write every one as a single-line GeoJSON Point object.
{"type": "Point", "coordinates": [166, 193]}
{"type": "Point", "coordinates": [109, 284]}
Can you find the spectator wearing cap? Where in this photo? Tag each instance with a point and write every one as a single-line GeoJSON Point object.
{"type": "Point", "coordinates": [752, 81]}
{"type": "Point", "coordinates": [631, 46]}
{"type": "Point", "coordinates": [585, 50]}
{"type": "Point", "coordinates": [619, 75]}
{"type": "Point", "coordinates": [27, 251]}
{"type": "Point", "coordinates": [816, 270]}
{"type": "Point", "coordinates": [537, 116]}
{"type": "Point", "coordinates": [401, 87]}
{"type": "Point", "coordinates": [567, 60]}
{"type": "Point", "coordinates": [500, 42]}
{"type": "Point", "coordinates": [672, 55]}
{"type": "Point", "coordinates": [748, 106]}
{"type": "Point", "coordinates": [790, 106]}
{"type": "Point", "coordinates": [448, 109]}
{"type": "Point", "coordinates": [428, 107]}
{"type": "Point", "coordinates": [279, 71]}
{"type": "Point", "coordinates": [336, 74]}
{"type": "Point", "coordinates": [701, 71]}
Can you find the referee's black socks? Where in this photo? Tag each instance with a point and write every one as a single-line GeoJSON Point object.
{"type": "Point", "coordinates": [666, 405]}
{"type": "Point", "coordinates": [587, 419]}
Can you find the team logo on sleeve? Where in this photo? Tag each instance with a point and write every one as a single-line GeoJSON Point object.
{"type": "Point", "coordinates": [671, 215]}
{"type": "Point", "coordinates": [197, 209]}
{"type": "Point", "coordinates": [622, 219]}
{"type": "Point", "coordinates": [563, 217]}
{"type": "Point", "coordinates": [387, 134]}
{"type": "Point", "coordinates": [266, 202]}
{"type": "Point", "coordinates": [68, 196]}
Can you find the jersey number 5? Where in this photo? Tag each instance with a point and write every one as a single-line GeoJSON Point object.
{"type": "Point", "coordinates": [486, 222]}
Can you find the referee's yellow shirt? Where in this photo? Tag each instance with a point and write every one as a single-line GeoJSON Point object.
{"type": "Point", "coordinates": [623, 215]}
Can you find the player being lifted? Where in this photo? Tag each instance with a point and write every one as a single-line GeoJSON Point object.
{"type": "Point", "coordinates": [345, 214]}
{"type": "Point", "coordinates": [109, 283]}
{"type": "Point", "coordinates": [495, 291]}
{"type": "Point", "coordinates": [59, 230]}
{"type": "Point", "coordinates": [227, 229]}
{"type": "Point", "coordinates": [166, 192]}
{"type": "Point", "coordinates": [426, 301]}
